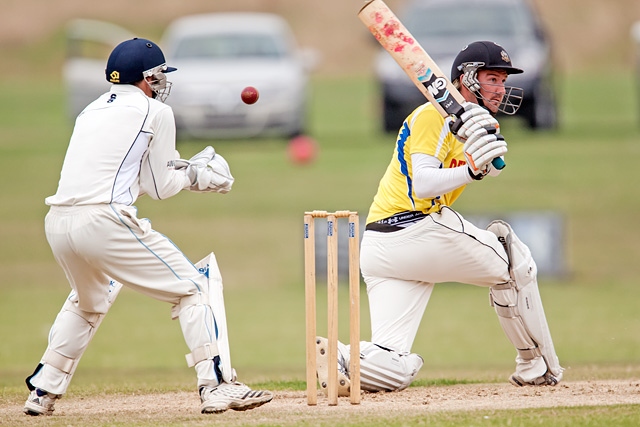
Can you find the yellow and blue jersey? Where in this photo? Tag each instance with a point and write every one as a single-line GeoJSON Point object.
{"type": "Point", "coordinates": [423, 131]}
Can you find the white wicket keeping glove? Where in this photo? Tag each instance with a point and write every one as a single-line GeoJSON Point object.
{"type": "Point", "coordinates": [197, 169]}
{"type": "Point", "coordinates": [221, 179]}
{"type": "Point", "coordinates": [207, 171]}
{"type": "Point", "coordinates": [480, 149]}
{"type": "Point", "coordinates": [474, 118]}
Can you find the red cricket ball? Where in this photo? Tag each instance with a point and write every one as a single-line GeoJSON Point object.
{"type": "Point", "coordinates": [249, 95]}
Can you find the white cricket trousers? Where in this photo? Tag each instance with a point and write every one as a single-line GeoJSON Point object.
{"type": "Point", "coordinates": [401, 268]}
{"type": "Point", "coordinates": [97, 245]}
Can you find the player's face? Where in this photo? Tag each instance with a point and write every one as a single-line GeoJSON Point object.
{"type": "Point", "coordinates": [492, 87]}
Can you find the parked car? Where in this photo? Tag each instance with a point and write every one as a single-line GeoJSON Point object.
{"type": "Point", "coordinates": [444, 27]}
{"type": "Point", "coordinates": [89, 43]}
{"type": "Point", "coordinates": [217, 55]}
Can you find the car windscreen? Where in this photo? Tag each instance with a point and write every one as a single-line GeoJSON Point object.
{"type": "Point", "coordinates": [469, 21]}
{"type": "Point", "coordinates": [230, 46]}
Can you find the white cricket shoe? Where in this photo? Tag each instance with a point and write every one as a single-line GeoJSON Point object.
{"type": "Point", "coordinates": [235, 395]}
{"type": "Point", "coordinates": [322, 370]}
{"type": "Point", "coordinates": [40, 402]}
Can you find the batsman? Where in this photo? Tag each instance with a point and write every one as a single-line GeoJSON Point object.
{"type": "Point", "coordinates": [123, 146]}
{"type": "Point", "coordinates": [414, 238]}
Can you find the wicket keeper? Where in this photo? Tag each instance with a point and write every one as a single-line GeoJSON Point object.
{"type": "Point", "coordinates": [123, 146]}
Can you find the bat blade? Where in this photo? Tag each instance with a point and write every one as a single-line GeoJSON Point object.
{"type": "Point", "coordinates": [414, 60]}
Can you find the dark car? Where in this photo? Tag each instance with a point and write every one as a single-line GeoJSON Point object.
{"type": "Point", "coordinates": [444, 27]}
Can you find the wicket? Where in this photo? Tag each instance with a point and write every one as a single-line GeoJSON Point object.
{"type": "Point", "coordinates": [332, 302]}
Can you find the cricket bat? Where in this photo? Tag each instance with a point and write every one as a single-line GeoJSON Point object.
{"type": "Point", "coordinates": [414, 60]}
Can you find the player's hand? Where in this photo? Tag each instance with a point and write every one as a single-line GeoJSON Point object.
{"type": "Point", "coordinates": [473, 119]}
{"type": "Point", "coordinates": [207, 171]}
{"type": "Point", "coordinates": [203, 157]}
{"type": "Point", "coordinates": [221, 179]}
{"type": "Point", "coordinates": [480, 149]}
{"type": "Point", "coordinates": [197, 169]}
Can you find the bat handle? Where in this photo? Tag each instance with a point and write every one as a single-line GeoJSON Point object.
{"type": "Point", "coordinates": [498, 163]}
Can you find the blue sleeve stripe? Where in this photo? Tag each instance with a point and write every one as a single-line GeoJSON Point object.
{"type": "Point", "coordinates": [404, 168]}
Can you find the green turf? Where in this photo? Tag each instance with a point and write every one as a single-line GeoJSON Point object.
{"type": "Point", "coordinates": [586, 171]}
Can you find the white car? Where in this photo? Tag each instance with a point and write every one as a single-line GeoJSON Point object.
{"type": "Point", "coordinates": [89, 43]}
{"type": "Point", "coordinates": [219, 54]}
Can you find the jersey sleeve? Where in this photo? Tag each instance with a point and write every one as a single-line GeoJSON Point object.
{"type": "Point", "coordinates": [429, 134]}
{"type": "Point", "coordinates": [157, 178]}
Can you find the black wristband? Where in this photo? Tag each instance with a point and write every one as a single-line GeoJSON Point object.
{"type": "Point", "coordinates": [478, 177]}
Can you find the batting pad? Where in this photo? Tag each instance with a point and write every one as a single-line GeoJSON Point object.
{"type": "Point", "coordinates": [209, 267]}
{"type": "Point", "coordinates": [518, 303]}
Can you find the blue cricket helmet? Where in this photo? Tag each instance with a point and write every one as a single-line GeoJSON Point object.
{"type": "Point", "coordinates": [133, 57]}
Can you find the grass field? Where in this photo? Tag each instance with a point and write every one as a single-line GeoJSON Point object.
{"type": "Point", "coordinates": [585, 171]}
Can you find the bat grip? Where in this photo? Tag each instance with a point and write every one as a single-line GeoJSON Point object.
{"type": "Point", "coordinates": [497, 163]}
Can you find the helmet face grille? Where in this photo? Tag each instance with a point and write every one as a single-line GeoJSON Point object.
{"type": "Point", "coordinates": [159, 84]}
{"type": "Point", "coordinates": [485, 55]}
{"type": "Point", "coordinates": [512, 100]}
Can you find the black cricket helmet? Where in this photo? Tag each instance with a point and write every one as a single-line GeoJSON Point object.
{"type": "Point", "coordinates": [490, 54]}
{"type": "Point", "coordinates": [486, 55]}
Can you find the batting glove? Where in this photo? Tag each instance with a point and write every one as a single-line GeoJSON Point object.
{"type": "Point", "coordinates": [474, 118]}
{"type": "Point", "coordinates": [480, 149]}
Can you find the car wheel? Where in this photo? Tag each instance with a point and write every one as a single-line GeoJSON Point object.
{"type": "Point", "coordinates": [294, 133]}
{"type": "Point", "coordinates": [300, 127]}
{"type": "Point", "coordinates": [393, 115]}
{"type": "Point", "coordinates": [542, 112]}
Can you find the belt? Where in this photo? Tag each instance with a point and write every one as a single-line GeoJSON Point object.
{"type": "Point", "coordinates": [396, 222]}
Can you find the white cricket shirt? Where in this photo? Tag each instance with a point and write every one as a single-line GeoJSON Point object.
{"type": "Point", "coordinates": [121, 146]}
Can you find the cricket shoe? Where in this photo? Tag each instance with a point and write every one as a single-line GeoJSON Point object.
{"type": "Point", "coordinates": [547, 379]}
{"type": "Point", "coordinates": [40, 403]}
{"type": "Point", "coordinates": [533, 372]}
{"type": "Point", "coordinates": [322, 362]}
{"type": "Point", "coordinates": [235, 395]}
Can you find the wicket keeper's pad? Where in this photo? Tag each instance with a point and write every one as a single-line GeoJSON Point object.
{"type": "Point", "coordinates": [213, 298]}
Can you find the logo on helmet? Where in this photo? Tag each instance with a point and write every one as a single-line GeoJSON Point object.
{"type": "Point", "coordinates": [114, 77]}
{"type": "Point", "coordinates": [505, 57]}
